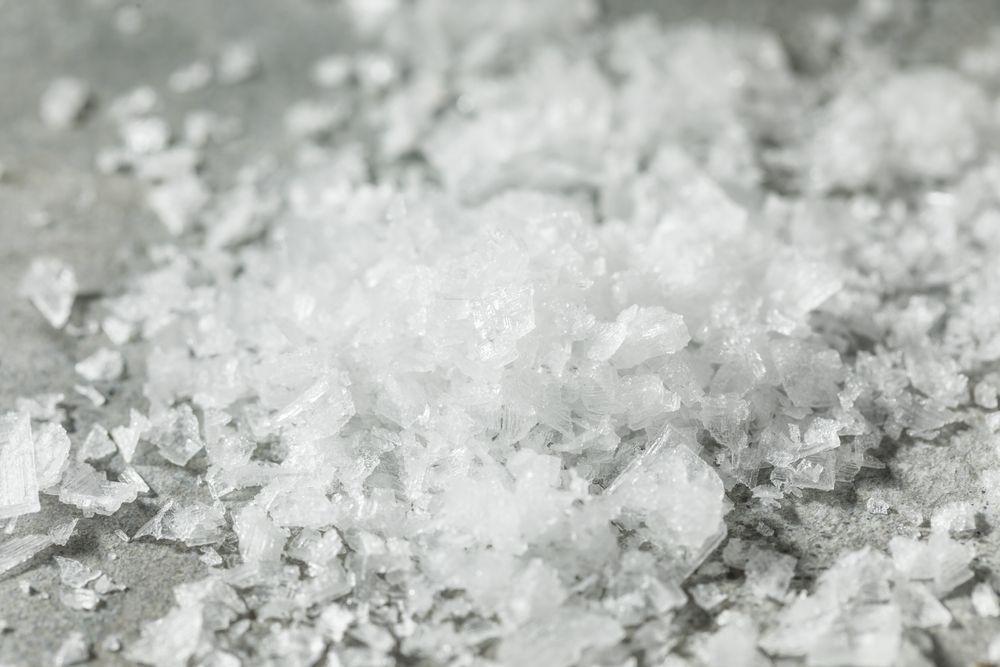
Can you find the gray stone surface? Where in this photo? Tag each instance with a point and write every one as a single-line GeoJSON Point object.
{"type": "Point", "coordinates": [100, 226]}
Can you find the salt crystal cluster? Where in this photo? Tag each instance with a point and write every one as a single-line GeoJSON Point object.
{"type": "Point", "coordinates": [482, 387]}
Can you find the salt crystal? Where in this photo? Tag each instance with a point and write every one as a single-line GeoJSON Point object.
{"type": "Point", "coordinates": [137, 102]}
{"type": "Point", "coordinates": [42, 407]}
{"type": "Point", "coordinates": [97, 445]}
{"type": "Point", "coordinates": [80, 599]}
{"type": "Point", "coordinates": [193, 77]}
{"type": "Point", "coordinates": [708, 596]}
{"type": "Point", "coordinates": [18, 476]}
{"type": "Point", "coordinates": [331, 71]}
{"type": "Point", "coordinates": [63, 102]}
{"type": "Point", "coordinates": [50, 284]}
{"type": "Point", "coordinates": [237, 62]}
{"type": "Point", "coordinates": [96, 398]}
{"type": "Point", "coordinates": [126, 438]}
{"type": "Point", "coordinates": [92, 492]}
{"type": "Point", "coordinates": [769, 573]}
{"type": "Point", "coordinates": [313, 119]}
{"type": "Point", "coordinates": [52, 446]}
{"type": "Point", "coordinates": [176, 434]}
{"type": "Point", "coordinates": [985, 601]}
{"type": "Point", "coordinates": [19, 550]}
{"type": "Point", "coordinates": [103, 365]}
{"type": "Point", "coordinates": [74, 650]}
{"type": "Point", "coordinates": [75, 574]}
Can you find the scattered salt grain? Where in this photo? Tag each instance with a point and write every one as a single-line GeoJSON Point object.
{"type": "Point", "coordinates": [103, 365]}
{"type": "Point", "coordinates": [50, 284]}
{"type": "Point", "coordinates": [191, 78]}
{"type": "Point", "coordinates": [145, 135]}
{"type": "Point", "coordinates": [769, 573]}
{"type": "Point", "coordinates": [63, 103]}
{"type": "Point", "coordinates": [96, 398]}
{"type": "Point", "coordinates": [985, 601]}
{"type": "Point", "coordinates": [237, 62]}
{"type": "Point", "coordinates": [74, 650]}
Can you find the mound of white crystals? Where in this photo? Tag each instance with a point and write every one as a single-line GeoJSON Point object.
{"type": "Point", "coordinates": [476, 391]}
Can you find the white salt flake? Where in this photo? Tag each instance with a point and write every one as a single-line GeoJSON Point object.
{"type": "Point", "coordinates": [96, 398]}
{"type": "Point", "coordinates": [103, 365]}
{"type": "Point", "coordinates": [985, 601]}
{"type": "Point", "coordinates": [50, 284]}
{"type": "Point", "coordinates": [74, 650]}
{"type": "Point", "coordinates": [18, 475]}
{"type": "Point", "coordinates": [64, 102]}
{"type": "Point", "coordinates": [52, 446]}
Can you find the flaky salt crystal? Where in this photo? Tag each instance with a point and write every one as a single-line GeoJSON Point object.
{"type": "Point", "coordinates": [64, 102]}
{"type": "Point", "coordinates": [75, 574]}
{"type": "Point", "coordinates": [74, 650]}
{"type": "Point", "coordinates": [102, 366]}
{"type": "Point", "coordinates": [985, 601]}
{"type": "Point", "coordinates": [50, 284]}
{"type": "Point", "coordinates": [52, 446]}
{"type": "Point", "coordinates": [18, 475]}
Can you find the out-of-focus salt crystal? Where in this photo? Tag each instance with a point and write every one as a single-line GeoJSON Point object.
{"type": "Point", "coordinates": [92, 492]}
{"type": "Point", "coordinates": [237, 62]}
{"type": "Point", "coordinates": [650, 332]}
{"type": "Point", "coordinates": [954, 518]}
{"type": "Point", "coordinates": [940, 561]}
{"type": "Point", "coordinates": [103, 365]}
{"type": "Point", "coordinates": [876, 505]}
{"type": "Point", "coordinates": [137, 102]}
{"type": "Point", "coordinates": [42, 407]}
{"type": "Point", "coordinates": [560, 640]}
{"type": "Point", "coordinates": [74, 650]}
{"type": "Point", "coordinates": [117, 330]}
{"type": "Point", "coordinates": [145, 135]}
{"type": "Point", "coordinates": [52, 446]}
{"type": "Point", "coordinates": [112, 160]}
{"type": "Point", "coordinates": [985, 601]}
{"type": "Point", "coordinates": [178, 202]}
{"type": "Point", "coordinates": [204, 127]}
{"type": "Point", "coordinates": [96, 398]}
{"type": "Point", "coordinates": [194, 524]}
{"type": "Point", "coordinates": [190, 78]}
{"type": "Point", "coordinates": [734, 643]}
{"type": "Point", "coordinates": [80, 599]}
{"type": "Point", "coordinates": [664, 478]}
{"type": "Point", "coordinates": [64, 102]}
{"type": "Point", "coordinates": [708, 596]}
{"type": "Point", "coordinates": [97, 445]}
{"type": "Point", "coordinates": [919, 607]}
{"type": "Point", "coordinates": [176, 434]}
{"type": "Point", "coordinates": [332, 71]}
{"type": "Point", "coordinates": [809, 373]}
{"type": "Point", "coordinates": [50, 284]}
{"type": "Point", "coordinates": [314, 119]}
{"type": "Point", "coordinates": [18, 474]}
{"type": "Point", "coordinates": [769, 573]}
{"type": "Point", "coordinates": [104, 585]}
{"type": "Point", "coordinates": [126, 438]}
{"type": "Point", "coordinates": [129, 20]}
{"type": "Point", "coordinates": [169, 641]}
{"type": "Point", "coordinates": [111, 644]}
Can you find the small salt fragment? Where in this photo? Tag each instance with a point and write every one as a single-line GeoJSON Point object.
{"type": "Point", "coordinates": [708, 596]}
{"type": "Point", "coordinates": [169, 641]}
{"type": "Point", "coordinates": [313, 119]}
{"type": "Point", "coordinates": [74, 650]}
{"type": "Point", "coordinates": [42, 407]}
{"type": "Point", "coordinates": [95, 397]}
{"type": "Point", "coordinates": [769, 573]}
{"type": "Point", "coordinates": [178, 202]}
{"type": "Point", "coordinates": [985, 601]}
{"type": "Point", "coordinates": [64, 102]}
{"type": "Point", "coordinates": [121, 535]}
{"type": "Point", "coordinates": [105, 585]}
{"type": "Point", "coordinates": [19, 550]}
{"type": "Point", "coordinates": [237, 62]}
{"type": "Point", "coordinates": [145, 135]}
{"type": "Point", "coordinates": [103, 365]}
{"type": "Point", "coordinates": [118, 331]}
{"type": "Point", "coordinates": [75, 574]}
{"type": "Point", "coordinates": [137, 102]}
{"type": "Point", "coordinates": [210, 557]}
{"type": "Point", "coordinates": [126, 438]}
{"type": "Point", "coordinates": [50, 284]}
{"type": "Point", "coordinates": [131, 476]}
{"type": "Point", "coordinates": [80, 599]}
{"type": "Point", "coordinates": [954, 518]}
{"type": "Point", "coordinates": [332, 71]}
{"type": "Point", "coordinates": [111, 644]}
{"type": "Point", "coordinates": [191, 78]}
{"type": "Point", "coordinates": [176, 434]}
{"type": "Point", "coordinates": [18, 476]}
{"type": "Point", "coordinates": [876, 505]}
{"type": "Point", "coordinates": [97, 445]}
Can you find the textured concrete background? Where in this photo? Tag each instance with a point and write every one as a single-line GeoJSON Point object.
{"type": "Point", "coordinates": [100, 226]}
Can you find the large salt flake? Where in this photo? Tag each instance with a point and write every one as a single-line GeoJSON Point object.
{"type": "Point", "coordinates": [18, 476]}
{"type": "Point", "coordinates": [50, 284]}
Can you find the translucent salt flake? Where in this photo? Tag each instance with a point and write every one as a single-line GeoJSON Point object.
{"type": "Point", "coordinates": [734, 643]}
{"type": "Point", "coordinates": [559, 641]}
{"type": "Point", "coordinates": [97, 446]}
{"type": "Point", "coordinates": [919, 607]}
{"type": "Point", "coordinates": [178, 203]}
{"type": "Point", "coordinates": [63, 102]}
{"type": "Point", "coordinates": [176, 434]}
{"type": "Point", "coordinates": [260, 539]}
{"type": "Point", "coordinates": [92, 492]}
{"type": "Point", "coordinates": [237, 62]}
{"type": "Point", "coordinates": [74, 650]}
{"type": "Point", "coordinates": [42, 407]}
{"type": "Point", "coordinates": [169, 641]}
{"type": "Point", "coordinates": [810, 373]}
{"type": "Point", "coordinates": [52, 446]}
{"type": "Point", "coordinates": [18, 475]}
{"type": "Point", "coordinates": [313, 119]}
{"type": "Point", "coordinates": [649, 332]}
{"type": "Point", "coordinates": [80, 599]}
{"type": "Point", "coordinates": [940, 561]}
{"type": "Point", "coordinates": [332, 71]}
{"type": "Point", "coordinates": [769, 573]}
{"type": "Point", "coordinates": [75, 574]}
{"type": "Point", "coordinates": [103, 365]}
{"type": "Point", "coordinates": [96, 398]}
{"type": "Point", "coordinates": [19, 550]}
{"type": "Point", "coordinates": [190, 78]}
{"type": "Point", "coordinates": [50, 284]}
{"type": "Point", "coordinates": [985, 601]}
